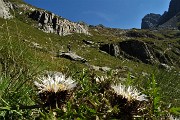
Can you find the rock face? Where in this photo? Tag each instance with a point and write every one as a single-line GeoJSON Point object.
{"type": "Point", "coordinates": [150, 21]}
{"type": "Point", "coordinates": [51, 23]}
{"type": "Point", "coordinates": [130, 49]}
{"type": "Point", "coordinates": [4, 10]}
{"type": "Point", "coordinates": [136, 50]}
{"type": "Point", "coordinates": [167, 21]}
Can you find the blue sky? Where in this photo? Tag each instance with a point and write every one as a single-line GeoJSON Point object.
{"type": "Point", "coordinates": [123, 14]}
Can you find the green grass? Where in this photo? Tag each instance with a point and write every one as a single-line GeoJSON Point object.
{"type": "Point", "coordinates": [21, 64]}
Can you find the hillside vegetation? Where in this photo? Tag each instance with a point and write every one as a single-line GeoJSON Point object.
{"type": "Point", "coordinates": [27, 53]}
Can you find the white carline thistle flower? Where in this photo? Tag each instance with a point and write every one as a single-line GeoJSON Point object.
{"type": "Point", "coordinates": [171, 117]}
{"type": "Point", "coordinates": [55, 83]}
{"type": "Point", "coordinates": [129, 93]}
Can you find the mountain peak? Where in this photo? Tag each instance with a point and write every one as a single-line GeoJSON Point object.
{"type": "Point", "coordinates": [168, 20]}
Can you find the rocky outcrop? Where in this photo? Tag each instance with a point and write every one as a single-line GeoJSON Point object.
{"type": "Point", "coordinates": [51, 23]}
{"type": "Point", "coordinates": [136, 50]}
{"type": "Point", "coordinates": [150, 21]}
{"type": "Point", "coordinates": [4, 10]}
{"type": "Point", "coordinates": [167, 21]}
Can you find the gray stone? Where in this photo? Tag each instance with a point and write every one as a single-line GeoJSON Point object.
{"type": "Point", "coordinates": [71, 56]}
{"type": "Point", "coordinates": [88, 42]}
{"type": "Point", "coordinates": [98, 68]}
{"type": "Point", "coordinates": [165, 66]}
{"type": "Point", "coordinates": [4, 10]}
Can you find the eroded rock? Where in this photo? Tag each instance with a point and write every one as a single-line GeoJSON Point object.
{"type": "Point", "coordinates": [51, 23]}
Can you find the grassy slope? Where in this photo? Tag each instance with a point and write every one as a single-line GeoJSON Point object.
{"type": "Point", "coordinates": [15, 31]}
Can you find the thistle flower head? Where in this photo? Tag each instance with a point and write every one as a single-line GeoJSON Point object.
{"type": "Point", "coordinates": [171, 117]}
{"type": "Point", "coordinates": [55, 83]}
{"type": "Point", "coordinates": [129, 93]}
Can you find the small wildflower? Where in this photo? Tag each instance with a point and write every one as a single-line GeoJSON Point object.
{"type": "Point", "coordinates": [100, 79]}
{"type": "Point", "coordinates": [129, 93]}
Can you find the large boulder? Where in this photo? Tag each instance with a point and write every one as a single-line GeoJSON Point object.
{"type": "Point", "coordinates": [4, 10]}
{"type": "Point", "coordinates": [51, 23]}
{"type": "Point", "coordinates": [150, 21]}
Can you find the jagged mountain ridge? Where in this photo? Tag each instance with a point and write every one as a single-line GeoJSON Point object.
{"type": "Point", "coordinates": [169, 20]}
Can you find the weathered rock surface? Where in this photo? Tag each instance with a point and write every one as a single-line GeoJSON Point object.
{"type": "Point", "coordinates": [4, 10]}
{"type": "Point", "coordinates": [71, 56]}
{"type": "Point", "coordinates": [51, 23]}
{"type": "Point", "coordinates": [136, 50]}
{"type": "Point", "coordinates": [88, 42]}
{"type": "Point", "coordinates": [165, 66]}
{"type": "Point", "coordinates": [150, 21]}
{"type": "Point", "coordinates": [98, 68]}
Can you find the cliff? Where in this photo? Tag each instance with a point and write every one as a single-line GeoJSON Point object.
{"type": "Point", "coordinates": [51, 23]}
{"type": "Point", "coordinates": [45, 21]}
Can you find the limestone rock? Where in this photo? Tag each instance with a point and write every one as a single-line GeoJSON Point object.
{"type": "Point", "coordinates": [88, 42]}
{"type": "Point", "coordinates": [51, 23]}
{"type": "Point", "coordinates": [71, 56]}
{"type": "Point", "coordinates": [4, 10]}
{"type": "Point", "coordinates": [165, 66]}
{"type": "Point", "coordinates": [150, 21]}
{"type": "Point", "coordinates": [98, 68]}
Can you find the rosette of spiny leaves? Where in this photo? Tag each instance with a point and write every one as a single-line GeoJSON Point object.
{"type": "Point", "coordinates": [128, 100]}
{"type": "Point", "coordinates": [55, 90]}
